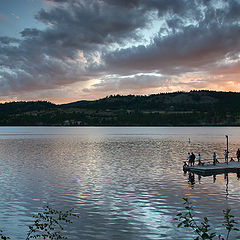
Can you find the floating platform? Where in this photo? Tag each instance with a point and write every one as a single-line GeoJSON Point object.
{"type": "Point", "coordinates": [210, 169]}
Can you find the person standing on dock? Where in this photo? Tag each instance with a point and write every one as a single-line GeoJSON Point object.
{"type": "Point", "coordinates": [214, 158]}
{"type": "Point", "coordinates": [199, 159]}
{"type": "Point", "coordinates": [189, 159]}
{"type": "Point", "coordinates": [238, 154]}
{"type": "Point", "coordinates": [226, 155]}
{"type": "Point", "coordinates": [192, 159]}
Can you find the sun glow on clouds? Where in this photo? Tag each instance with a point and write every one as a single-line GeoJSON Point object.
{"type": "Point", "coordinates": [81, 57]}
{"type": "Point", "coordinates": [92, 48]}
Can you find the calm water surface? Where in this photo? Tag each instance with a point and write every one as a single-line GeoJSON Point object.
{"type": "Point", "coordinates": [124, 182]}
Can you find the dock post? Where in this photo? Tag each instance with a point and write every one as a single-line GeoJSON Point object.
{"type": "Point", "coordinates": [227, 148]}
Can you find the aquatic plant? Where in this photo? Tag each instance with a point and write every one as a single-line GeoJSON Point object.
{"type": "Point", "coordinates": [203, 229]}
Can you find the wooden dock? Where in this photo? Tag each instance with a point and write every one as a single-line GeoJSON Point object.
{"type": "Point", "coordinates": [210, 169]}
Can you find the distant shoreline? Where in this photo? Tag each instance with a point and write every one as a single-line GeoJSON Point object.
{"type": "Point", "coordinates": [119, 126]}
{"type": "Point", "coordinates": [194, 108]}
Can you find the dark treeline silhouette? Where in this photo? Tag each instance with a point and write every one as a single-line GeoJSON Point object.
{"type": "Point", "coordinates": [164, 109]}
{"type": "Point", "coordinates": [20, 107]}
{"type": "Point", "coordinates": [177, 101]}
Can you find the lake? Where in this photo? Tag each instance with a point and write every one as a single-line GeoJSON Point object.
{"type": "Point", "coordinates": [124, 182]}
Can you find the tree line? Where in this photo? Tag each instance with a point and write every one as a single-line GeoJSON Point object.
{"type": "Point", "coordinates": [194, 108]}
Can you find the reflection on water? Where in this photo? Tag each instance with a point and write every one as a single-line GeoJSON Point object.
{"type": "Point", "coordinates": [191, 178]}
{"type": "Point", "coordinates": [125, 183]}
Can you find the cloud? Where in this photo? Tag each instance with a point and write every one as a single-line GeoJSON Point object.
{"type": "Point", "coordinates": [159, 44]}
{"type": "Point", "coordinates": [50, 58]}
{"type": "Point", "coordinates": [8, 40]}
{"type": "Point", "coordinates": [30, 32]}
{"type": "Point", "coordinates": [130, 83]}
{"type": "Point", "coordinates": [88, 24]}
{"type": "Point", "coordinates": [190, 50]}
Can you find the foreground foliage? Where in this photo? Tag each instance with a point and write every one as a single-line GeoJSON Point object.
{"type": "Point", "coordinates": [48, 225]}
{"type": "Point", "coordinates": [203, 230]}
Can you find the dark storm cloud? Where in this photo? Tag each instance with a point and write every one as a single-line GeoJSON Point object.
{"type": "Point", "coordinates": [30, 32]}
{"type": "Point", "coordinates": [193, 47]}
{"type": "Point", "coordinates": [8, 40]}
{"type": "Point", "coordinates": [85, 24]}
{"type": "Point", "coordinates": [88, 39]}
{"type": "Point", "coordinates": [159, 5]}
{"type": "Point", "coordinates": [60, 54]}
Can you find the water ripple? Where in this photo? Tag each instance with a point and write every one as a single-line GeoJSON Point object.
{"type": "Point", "coordinates": [125, 183]}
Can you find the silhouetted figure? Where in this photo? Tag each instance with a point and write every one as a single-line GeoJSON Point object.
{"type": "Point", "coordinates": [214, 158]}
{"type": "Point", "coordinates": [238, 175]}
{"type": "Point", "coordinates": [231, 160]}
{"type": "Point", "coordinates": [238, 154]}
{"type": "Point", "coordinates": [192, 159]}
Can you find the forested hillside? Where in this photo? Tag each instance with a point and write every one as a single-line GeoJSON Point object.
{"type": "Point", "coordinates": [177, 101]}
{"type": "Point", "coordinates": [174, 109]}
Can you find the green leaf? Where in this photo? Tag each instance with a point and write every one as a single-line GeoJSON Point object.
{"type": "Point", "coordinates": [179, 225]}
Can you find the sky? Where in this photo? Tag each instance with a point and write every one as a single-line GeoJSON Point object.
{"type": "Point", "coordinates": [70, 50]}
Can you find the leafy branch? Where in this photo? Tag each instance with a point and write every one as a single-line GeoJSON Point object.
{"type": "Point", "coordinates": [48, 224]}
{"type": "Point", "coordinates": [203, 229]}
{"type": "Point", "coordinates": [3, 237]}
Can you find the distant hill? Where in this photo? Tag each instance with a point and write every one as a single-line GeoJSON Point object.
{"type": "Point", "coordinates": [194, 108]}
{"type": "Point", "coordinates": [22, 106]}
{"type": "Point", "coordinates": [177, 101]}
{"type": "Point", "coordinates": [82, 103]}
